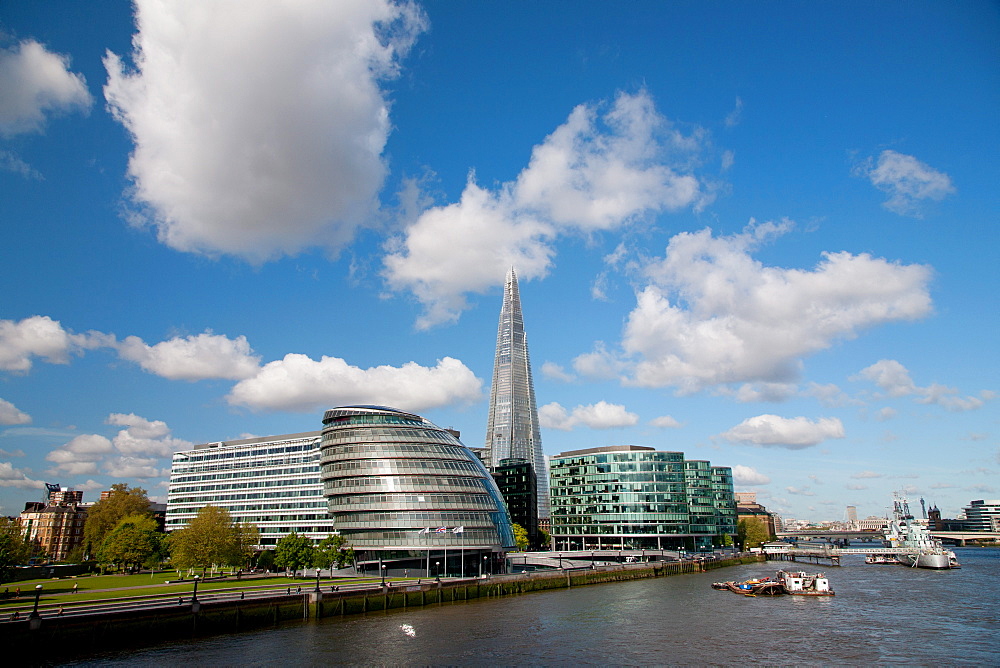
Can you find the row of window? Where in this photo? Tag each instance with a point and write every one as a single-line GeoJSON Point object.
{"type": "Point", "coordinates": [397, 466]}
{"type": "Point", "coordinates": [413, 483]}
{"type": "Point", "coordinates": [187, 477]}
{"type": "Point", "coordinates": [281, 482]}
{"type": "Point", "coordinates": [374, 435]}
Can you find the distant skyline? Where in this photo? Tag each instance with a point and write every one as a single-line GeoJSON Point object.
{"type": "Point", "coordinates": [762, 235]}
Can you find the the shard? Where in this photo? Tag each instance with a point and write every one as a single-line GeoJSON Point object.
{"type": "Point", "coordinates": [512, 432]}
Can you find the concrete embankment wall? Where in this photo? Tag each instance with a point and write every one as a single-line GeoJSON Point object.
{"type": "Point", "coordinates": [60, 637]}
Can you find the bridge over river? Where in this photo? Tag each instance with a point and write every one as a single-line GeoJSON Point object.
{"type": "Point", "coordinates": [960, 538]}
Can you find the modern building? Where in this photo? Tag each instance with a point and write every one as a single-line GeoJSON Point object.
{"type": "Point", "coordinates": [512, 430]}
{"type": "Point", "coordinates": [636, 497]}
{"type": "Point", "coordinates": [272, 482]}
{"type": "Point", "coordinates": [517, 483]}
{"type": "Point", "coordinates": [409, 496]}
{"type": "Point", "coordinates": [983, 515]}
{"type": "Point", "coordinates": [55, 525]}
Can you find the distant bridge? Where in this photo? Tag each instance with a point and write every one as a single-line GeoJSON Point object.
{"type": "Point", "coordinates": [951, 537]}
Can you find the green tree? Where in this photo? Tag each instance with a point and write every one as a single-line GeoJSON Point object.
{"type": "Point", "coordinates": [520, 537]}
{"type": "Point", "coordinates": [752, 532]}
{"type": "Point", "coordinates": [134, 542]}
{"type": "Point", "coordinates": [333, 551]}
{"type": "Point", "coordinates": [293, 552]}
{"type": "Point", "coordinates": [105, 515]}
{"type": "Point", "coordinates": [210, 539]}
{"type": "Point", "coordinates": [246, 536]}
{"type": "Point", "coordinates": [544, 539]}
{"type": "Point", "coordinates": [265, 560]}
{"type": "Point", "coordinates": [14, 548]}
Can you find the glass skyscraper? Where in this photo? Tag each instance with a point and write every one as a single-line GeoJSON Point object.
{"type": "Point", "coordinates": [635, 497]}
{"type": "Point", "coordinates": [512, 431]}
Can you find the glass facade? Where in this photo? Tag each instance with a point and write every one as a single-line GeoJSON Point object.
{"type": "Point", "coordinates": [634, 497]}
{"type": "Point", "coordinates": [272, 482]}
{"type": "Point", "coordinates": [401, 488]}
{"type": "Point", "coordinates": [512, 431]}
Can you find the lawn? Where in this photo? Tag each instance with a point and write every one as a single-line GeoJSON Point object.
{"type": "Point", "coordinates": [97, 587]}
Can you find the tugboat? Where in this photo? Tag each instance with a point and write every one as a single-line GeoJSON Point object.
{"type": "Point", "coordinates": [922, 550]}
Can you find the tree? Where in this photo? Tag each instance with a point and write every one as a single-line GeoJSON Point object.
{"type": "Point", "coordinates": [134, 542]}
{"type": "Point", "coordinates": [246, 536]}
{"type": "Point", "coordinates": [210, 539]}
{"type": "Point", "coordinates": [293, 552]}
{"type": "Point", "coordinates": [520, 537]}
{"type": "Point", "coordinates": [265, 560]}
{"type": "Point", "coordinates": [544, 538]}
{"type": "Point", "coordinates": [14, 547]}
{"type": "Point", "coordinates": [105, 515]}
{"type": "Point", "coordinates": [752, 532]}
{"type": "Point", "coordinates": [333, 551]}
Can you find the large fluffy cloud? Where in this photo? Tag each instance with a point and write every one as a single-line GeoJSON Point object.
{"type": "Point", "coordinates": [41, 336]}
{"type": "Point", "coordinates": [712, 314]}
{"type": "Point", "coordinates": [258, 126]}
{"type": "Point", "coordinates": [595, 172]}
{"type": "Point", "coordinates": [791, 433]}
{"type": "Point", "coordinates": [9, 414]}
{"type": "Point", "coordinates": [601, 415]}
{"type": "Point", "coordinates": [906, 180]}
{"type": "Point", "coordinates": [748, 476]}
{"type": "Point", "coordinates": [36, 82]}
{"type": "Point", "coordinates": [121, 456]}
{"type": "Point", "coordinates": [194, 357]}
{"type": "Point", "coordinates": [299, 383]}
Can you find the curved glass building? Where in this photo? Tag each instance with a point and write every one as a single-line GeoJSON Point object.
{"type": "Point", "coordinates": [405, 491]}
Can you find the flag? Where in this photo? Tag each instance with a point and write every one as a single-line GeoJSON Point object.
{"type": "Point", "coordinates": [441, 530]}
{"type": "Point", "coordinates": [424, 530]}
{"type": "Point", "coordinates": [458, 530]}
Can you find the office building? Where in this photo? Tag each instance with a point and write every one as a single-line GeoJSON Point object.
{"type": "Point", "coordinates": [272, 482]}
{"type": "Point", "coordinates": [55, 525]}
{"type": "Point", "coordinates": [517, 483]}
{"type": "Point", "coordinates": [408, 495]}
{"type": "Point", "coordinates": [636, 497]}
{"type": "Point", "coordinates": [983, 515]}
{"type": "Point", "coordinates": [512, 430]}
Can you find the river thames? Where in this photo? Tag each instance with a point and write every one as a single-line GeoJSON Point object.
{"type": "Point", "coordinates": [880, 615]}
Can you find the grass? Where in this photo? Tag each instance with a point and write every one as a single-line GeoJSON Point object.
{"type": "Point", "coordinates": [101, 587]}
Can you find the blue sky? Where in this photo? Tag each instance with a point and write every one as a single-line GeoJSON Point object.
{"type": "Point", "coordinates": [760, 234]}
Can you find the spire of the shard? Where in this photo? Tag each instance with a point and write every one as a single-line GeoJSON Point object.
{"type": "Point", "coordinates": [512, 432]}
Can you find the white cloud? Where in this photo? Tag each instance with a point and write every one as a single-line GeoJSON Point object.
{"type": "Point", "coordinates": [713, 315]}
{"type": "Point", "coordinates": [556, 372]}
{"type": "Point", "coordinates": [665, 422]}
{"type": "Point", "coordinates": [194, 357]}
{"type": "Point", "coordinates": [791, 433]}
{"type": "Point", "coordinates": [90, 486]}
{"type": "Point", "coordinates": [36, 82]}
{"type": "Point", "coordinates": [906, 180]}
{"type": "Point", "coordinates": [134, 467]}
{"type": "Point", "coordinates": [9, 414]}
{"type": "Point", "coordinates": [11, 162]}
{"type": "Point", "coordinates": [593, 173]}
{"type": "Point", "coordinates": [856, 487]}
{"type": "Point", "coordinates": [298, 383]}
{"type": "Point", "coordinates": [599, 364]}
{"type": "Point", "coordinates": [864, 475]}
{"type": "Point", "coordinates": [41, 336]}
{"type": "Point", "coordinates": [259, 127]}
{"type": "Point", "coordinates": [13, 477]}
{"type": "Point", "coordinates": [11, 453]}
{"type": "Point", "coordinates": [803, 491]}
{"type": "Point", "coordinates": [88, 454]}
{"type": "Point", "coordinates": [756, 392]}
{"type": "Point", "coordinates": [894, 379]}
{"type": "Point", "coordinates": [749, 476]}
{"type": "Point", "coordinates": [885, 414]}
{"type": "Point", "coordinates": [601, 415]}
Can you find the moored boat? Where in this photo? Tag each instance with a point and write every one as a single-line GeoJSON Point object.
{"type": "Point", "coordinates": [800, 583]}
{"type": "Point", "coordinates": [921, 549]}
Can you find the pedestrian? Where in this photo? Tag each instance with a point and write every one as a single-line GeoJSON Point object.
{"type": "Point", "coordinates": [16, 616]}
{"type": "Point", "coordinates": [17, 593]}
{"type": "Point", "coordinates": [243, 595]}
{"type": "Point", "coordinates": [180, 600]}
{"type": "Point", "coordinates": [289, 591]}
{"type": "Point", "coordinates": [60, 610]}
{"type": "Point", "coordinates": [76, 586]}
{"type": "Point", "coordinates": [298, 590]}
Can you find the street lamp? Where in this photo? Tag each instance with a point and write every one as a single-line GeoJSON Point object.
{"type": "Point", "coordinates": [194, 596]}
{"type": "Point", "coordinates": [38, 592]}
{"type": "Point", "coordinates": [483, 563]}
{"type": "Point", "coordinates": [317, 579]}
{"type": "Point", "coordinates": [383, 575]}
{"type": "Point", "coordinates": [437, 569]}
{"type": "Point", "coordinates": [560, 561]}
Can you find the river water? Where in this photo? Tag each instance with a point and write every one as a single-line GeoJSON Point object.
{"type": "Point", "coordinates": [880, 615]}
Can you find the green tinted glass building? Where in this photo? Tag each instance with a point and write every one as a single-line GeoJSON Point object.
{"type": "Point", "coordinates": [636, 497]}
